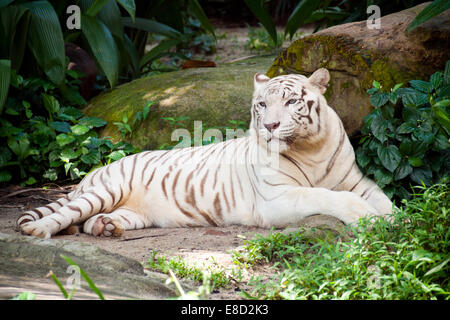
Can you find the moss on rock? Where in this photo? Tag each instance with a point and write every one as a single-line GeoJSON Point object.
{"type": "Point", "coordinates": [211, 95]}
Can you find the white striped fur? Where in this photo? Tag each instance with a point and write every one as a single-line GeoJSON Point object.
{"type": "Point", "coordinates": [233, 182]}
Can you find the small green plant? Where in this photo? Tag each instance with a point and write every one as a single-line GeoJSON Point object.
{"type": "Point", "coordinates": [407, 258]}
{"type": "Point", "coordinates": [125, 128]}
{"type": "Point", "coordinates": [25, 296]}
{"type": "Point", "coordinates": [259, 40]}
{"type": "Point", "coordinates": [409, 144]}
{"type": "Point", "coordinates": [182, 269]}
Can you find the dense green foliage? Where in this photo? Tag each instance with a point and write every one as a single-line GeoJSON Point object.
{"type": "Point", "coordinates": [405, 259]}
{"type": "Point", "coordinates": [44, 137]}
{"type": "Point", "coordinates": [38, 30]}
{"type": "Point", "coordinates": [182, 269]}
{"type": "Point", "coordinates": [406, 137]}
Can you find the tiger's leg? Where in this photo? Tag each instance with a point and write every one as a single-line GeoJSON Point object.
{"type": "Point", "coordinates": [295, 203]}
{"type": "Point", "coordinates": [115, 223]}
{"type": "Point", "coordinates": [75, 211]}
{"type": "Point", "coordinates": [39, 213]}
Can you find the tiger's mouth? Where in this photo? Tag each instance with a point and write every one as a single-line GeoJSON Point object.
{"type": "Point", "coordinates": [288, 140]}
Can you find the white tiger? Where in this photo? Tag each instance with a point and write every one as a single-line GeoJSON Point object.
{"type": "Point", "coordinates": [222, 184]}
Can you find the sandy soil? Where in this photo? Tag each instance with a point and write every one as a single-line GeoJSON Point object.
{"type": "Point", "coordinates": [201, 246]}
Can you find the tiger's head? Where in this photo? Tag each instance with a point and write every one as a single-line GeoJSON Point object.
{"type": "Point", "coordinates": [287, 109]}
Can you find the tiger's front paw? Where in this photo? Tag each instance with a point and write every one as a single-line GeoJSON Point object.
{"type": "Point", "coordinates": [356, 208]}
{"type": "Point", "coordinates": [33, 228]}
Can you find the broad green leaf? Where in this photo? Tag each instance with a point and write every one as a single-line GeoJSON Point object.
{"type": "Point", "coordinates": [156, 52]}
{"type": "Point", "coordinates": [415, 162]}
{"type": "Point", "coordinates": [15, 21]}
{"type": "Point", "coordinates": [61, 126]}
{"type": "Point", "coordinates": [93, 157]}
{"type": "Point", "coordinates": [5, 77]}
{"type": "Point", "coordinates": [45, 40]}
{"type": "Point", "coordinates": [436, 80]}
{"type": "Point", "coordinates": [362, 158]}
{"type": "Point", "coordinates": [71, 113]}
{"type": "Point", "coordinates": [390, 157]}
{"type": "Point", "coordinates": [110, 15]}
{"type": "Point", "coordinates": [64, 139]}
{"type": "Point", "coordinates": [50, 103]}
{"type": "Point", "coordinates": [103, 47]}
{"type": "Point", "coordinates": [299, 15]}
{"type": "Point", "coordinates": [382, 177]}
{"type": "Point", "coordinates": [415, 99]}
{"type": "Point", "coordinates": [198, 12]}
{"type": "Point", "coordinates": [379, 99]}
{"type": "Point", "coordinates": [421, 85]}
{"type": "Point", "coordinates": [116, 155]}
{"type": "Point", "coordinates": [441, 115]}
{"type": "Point", "coordinates": [406, 127]}
{"type": "Point", "coordinates": [95, 7]}
{"type": "Point", "coordinates": [129, 6]}
{"type": "Point", "coordinates": [92, 122]}
{"type": "Point", "coordinates": [68, 154]}
{"type": "Point", "coordinates": [21, 146]}
{"type": "Point", "coordinates": [402, 171]}
{"type": "Point", "coordinates": [263, 15]}
{"type": "Point", "coordinates": [379, 127]}
{"type": "Point", "coordinates": [433, 9]}
{"type": "Point", "coordinates": [79, 129]}
{"type": "Point", "coordinates": [152, 26]}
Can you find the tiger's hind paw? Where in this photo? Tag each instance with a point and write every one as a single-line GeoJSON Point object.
{"type": "Point", "coordinates": [107, 227]}
{"type": "Point", "coordinates": [33, 229]}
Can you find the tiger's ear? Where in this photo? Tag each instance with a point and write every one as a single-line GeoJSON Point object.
{"type": "Point", "coordinates": [259, 80]}
{"type": "Point", "coordinates": [320, 79]}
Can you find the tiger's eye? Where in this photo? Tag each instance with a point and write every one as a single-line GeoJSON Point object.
{"type": "Point", "coordinates": [292, 101]}
{"type": "Point", "coordinates": [262, 104]}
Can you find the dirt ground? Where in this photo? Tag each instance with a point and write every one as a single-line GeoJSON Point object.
{"type": "Point", "coordinates": [201, 246]}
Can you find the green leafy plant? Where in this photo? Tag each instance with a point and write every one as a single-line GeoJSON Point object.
{"type": "Point", "coordinates": [45, 139]}
{"type": "Point", "coordinates": [408, 144]}
{"type": "Point", "coordinates": [180, 268]}
{"type": "Point", "coordinates": [407, 258]}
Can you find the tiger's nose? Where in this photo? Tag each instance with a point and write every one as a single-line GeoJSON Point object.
{"type": "Point", "coordinates": [272, 126]}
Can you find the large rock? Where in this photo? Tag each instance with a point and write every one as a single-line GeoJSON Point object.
{"type": "Point", "coordinates": [25, 262]}
{"type": "Point", "coordinates": [356, 55]}
{"type": "Point", "coordinates": [211, 95]}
